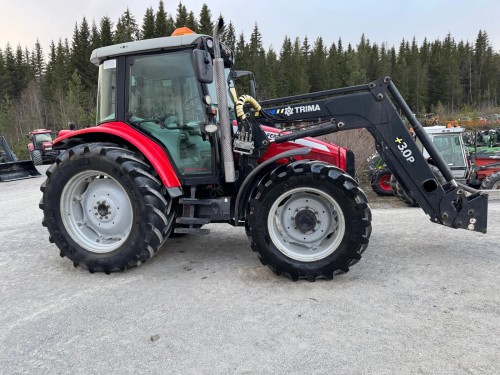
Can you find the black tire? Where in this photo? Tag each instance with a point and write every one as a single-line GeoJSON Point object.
{"type": "Point", "coordinates": [311, 191]}
{"type": "Point", "coordinates": [36, 157]}
{"type": "Point", "coordinates": [116, 214]}
{"type": "Point", "coordinates": [380, 182]}
{"type": "Point", "coordinates": [403, 193]}
{"type": "Point", "coordinates": [492, 182]}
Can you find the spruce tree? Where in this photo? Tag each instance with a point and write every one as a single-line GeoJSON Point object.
{"type": "Point", "coordinates": [206, 25]}
{"type": "Point", "coordinates": [333, 63]}
{"type": "Point", "coordinates": [286, 73]}
{"type": "Point", "coordinates": [191, 22]}
{"type": "Point", "coordinates": [20, 73]}
{"type": "Point", "coordinates": [95, 37]}
{"type": "Point", "coordinates": [318, 62]}
{"type": "Point", "coordinates": [38, 62]}
{"type": "Point", "coordinates": [106, 32]}
{"type": "Point", "coordinates": [80, 54]}
{"type": "Point", "coordinates": [300, 82]}
{"type": "Point", "coordinates": [228, 36]}
{"type": "Point", "coordinates": [126, 28]}
{"type": "Point", "coordinates": [10, 72]}
{"type": "Point", "coordinates": [181, 16]}
{"type": "Point", "coordinates": [161, 24]}
{"type": "Point", "coordinates": [271, 73]}
{"type": "Point", "coordinates": [241, 54]}
{"type": "Point", "coordinates": [148, 24]}
{"type": "Point", "coordinates": [2, 76]}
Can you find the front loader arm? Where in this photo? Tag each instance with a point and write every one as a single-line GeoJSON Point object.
{"type": "Point", "coordinates": [375, 107]}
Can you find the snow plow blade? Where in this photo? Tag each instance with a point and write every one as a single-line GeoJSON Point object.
{"type": "Point", "coordinates": [17, 170]}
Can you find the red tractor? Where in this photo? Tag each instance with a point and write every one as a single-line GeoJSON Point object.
{"type": "Point", "coordinates": [40, 146]}
{"type": "Point", "coordinates": [176, 149]}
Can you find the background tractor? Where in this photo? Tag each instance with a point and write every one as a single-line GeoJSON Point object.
{"type": "Point", "coordinates": [379, 175]}
{"type": "Point", "coordinates": [40, 146]}
{"type": "Point", "coordinates": [175, 148]}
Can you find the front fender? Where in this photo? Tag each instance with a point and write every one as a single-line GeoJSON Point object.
{"type": "Point", "coordinates": [254, 177]}
{"type": "Point", "coordinates": [119, 131]}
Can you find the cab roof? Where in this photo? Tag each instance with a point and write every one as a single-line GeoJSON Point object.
{"type": "Point", "coordinates": [146, 45]}
{"type": "Point", "coordinates": [440, 129]}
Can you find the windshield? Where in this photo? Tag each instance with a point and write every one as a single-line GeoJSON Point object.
{"type": "Point", "coordinates": [450, 148]}
{"type": "Point", "coordinates": [43, 137]}
{"type": "Point", "coordinates": [164, 87]}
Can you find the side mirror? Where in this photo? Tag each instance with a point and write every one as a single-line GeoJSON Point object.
{"type": "Point", "coordinates": [203, 66]}
{"type": "Point", "coordinates": [252, 84]}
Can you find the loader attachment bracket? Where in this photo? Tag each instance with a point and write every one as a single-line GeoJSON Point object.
{"type": "Point", "coordinates": [465, 212]}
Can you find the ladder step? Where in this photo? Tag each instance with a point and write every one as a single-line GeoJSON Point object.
{"type": "Point", "coordinates": [192, 220]}
{"type": "Point", "coordinates": [200, 231]}
{"type": "Point", "coordinates": [195, 202]}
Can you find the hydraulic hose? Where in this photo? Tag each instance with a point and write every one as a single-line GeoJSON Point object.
{"type": "Point", "coordinates": [242, 100]}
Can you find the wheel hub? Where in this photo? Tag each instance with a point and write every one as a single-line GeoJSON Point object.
{"type": "Point", "coordinates": [102, 210]}
{"type": "Point", "coordinates": [306, 220]}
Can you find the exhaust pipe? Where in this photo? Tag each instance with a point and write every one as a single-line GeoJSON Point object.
{"type": "Point", "coordinates": [226, 130]}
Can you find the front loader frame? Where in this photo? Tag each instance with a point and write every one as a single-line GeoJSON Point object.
{"type": "Point", "coordinates": [375, 107]}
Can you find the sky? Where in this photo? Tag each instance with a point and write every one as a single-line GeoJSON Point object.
{"type": "Point", "coordinates": [381, 21]}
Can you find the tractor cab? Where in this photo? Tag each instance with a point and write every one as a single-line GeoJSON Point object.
{"type": "Point", "coordinates": [450, 144]}
{"type": "Point", "coordinates": [165, 88]}
{"type": "Point", "coordinates": [41, 139]}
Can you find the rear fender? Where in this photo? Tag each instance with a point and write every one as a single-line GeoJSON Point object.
{"type": "Point", "coordinates": [119, 132]}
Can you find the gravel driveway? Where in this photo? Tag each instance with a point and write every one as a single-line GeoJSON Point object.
{"type": "Point", "coordinates": [423, 300]}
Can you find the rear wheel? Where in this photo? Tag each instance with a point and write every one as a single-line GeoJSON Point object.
{"type": "Point", "coordinates": [309, 220]}
{"type": "Point", "coordinates": [381, 183]}
{"type": "Point", "coordinates": [492, 182]}
{"type": "Point", "coordinates": [104, 208]}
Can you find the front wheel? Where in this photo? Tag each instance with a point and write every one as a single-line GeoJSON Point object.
{"type": "Point", "coordinates": [36, 157]}
{"type": "Point", "coordinates": [104, 208]}
{"type": "Point", "coordinates": [309, 220]}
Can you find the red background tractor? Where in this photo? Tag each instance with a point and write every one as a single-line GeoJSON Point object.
{"type": "Point", "coordinates": [40, 146]}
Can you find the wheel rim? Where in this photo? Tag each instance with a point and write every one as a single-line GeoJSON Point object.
{"type": "Point", "coordinates": [96, 211]}
{"type": "Point", "coordinates": [385, 182]}
{"type": "Point", "coordinates": [306, 224]}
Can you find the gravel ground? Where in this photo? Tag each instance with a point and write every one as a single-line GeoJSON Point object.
{"type": "Point", "coordinates": [423, 300]}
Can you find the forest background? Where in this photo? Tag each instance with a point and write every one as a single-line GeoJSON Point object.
{"type": "Point", "coordinates": [50, 89]}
